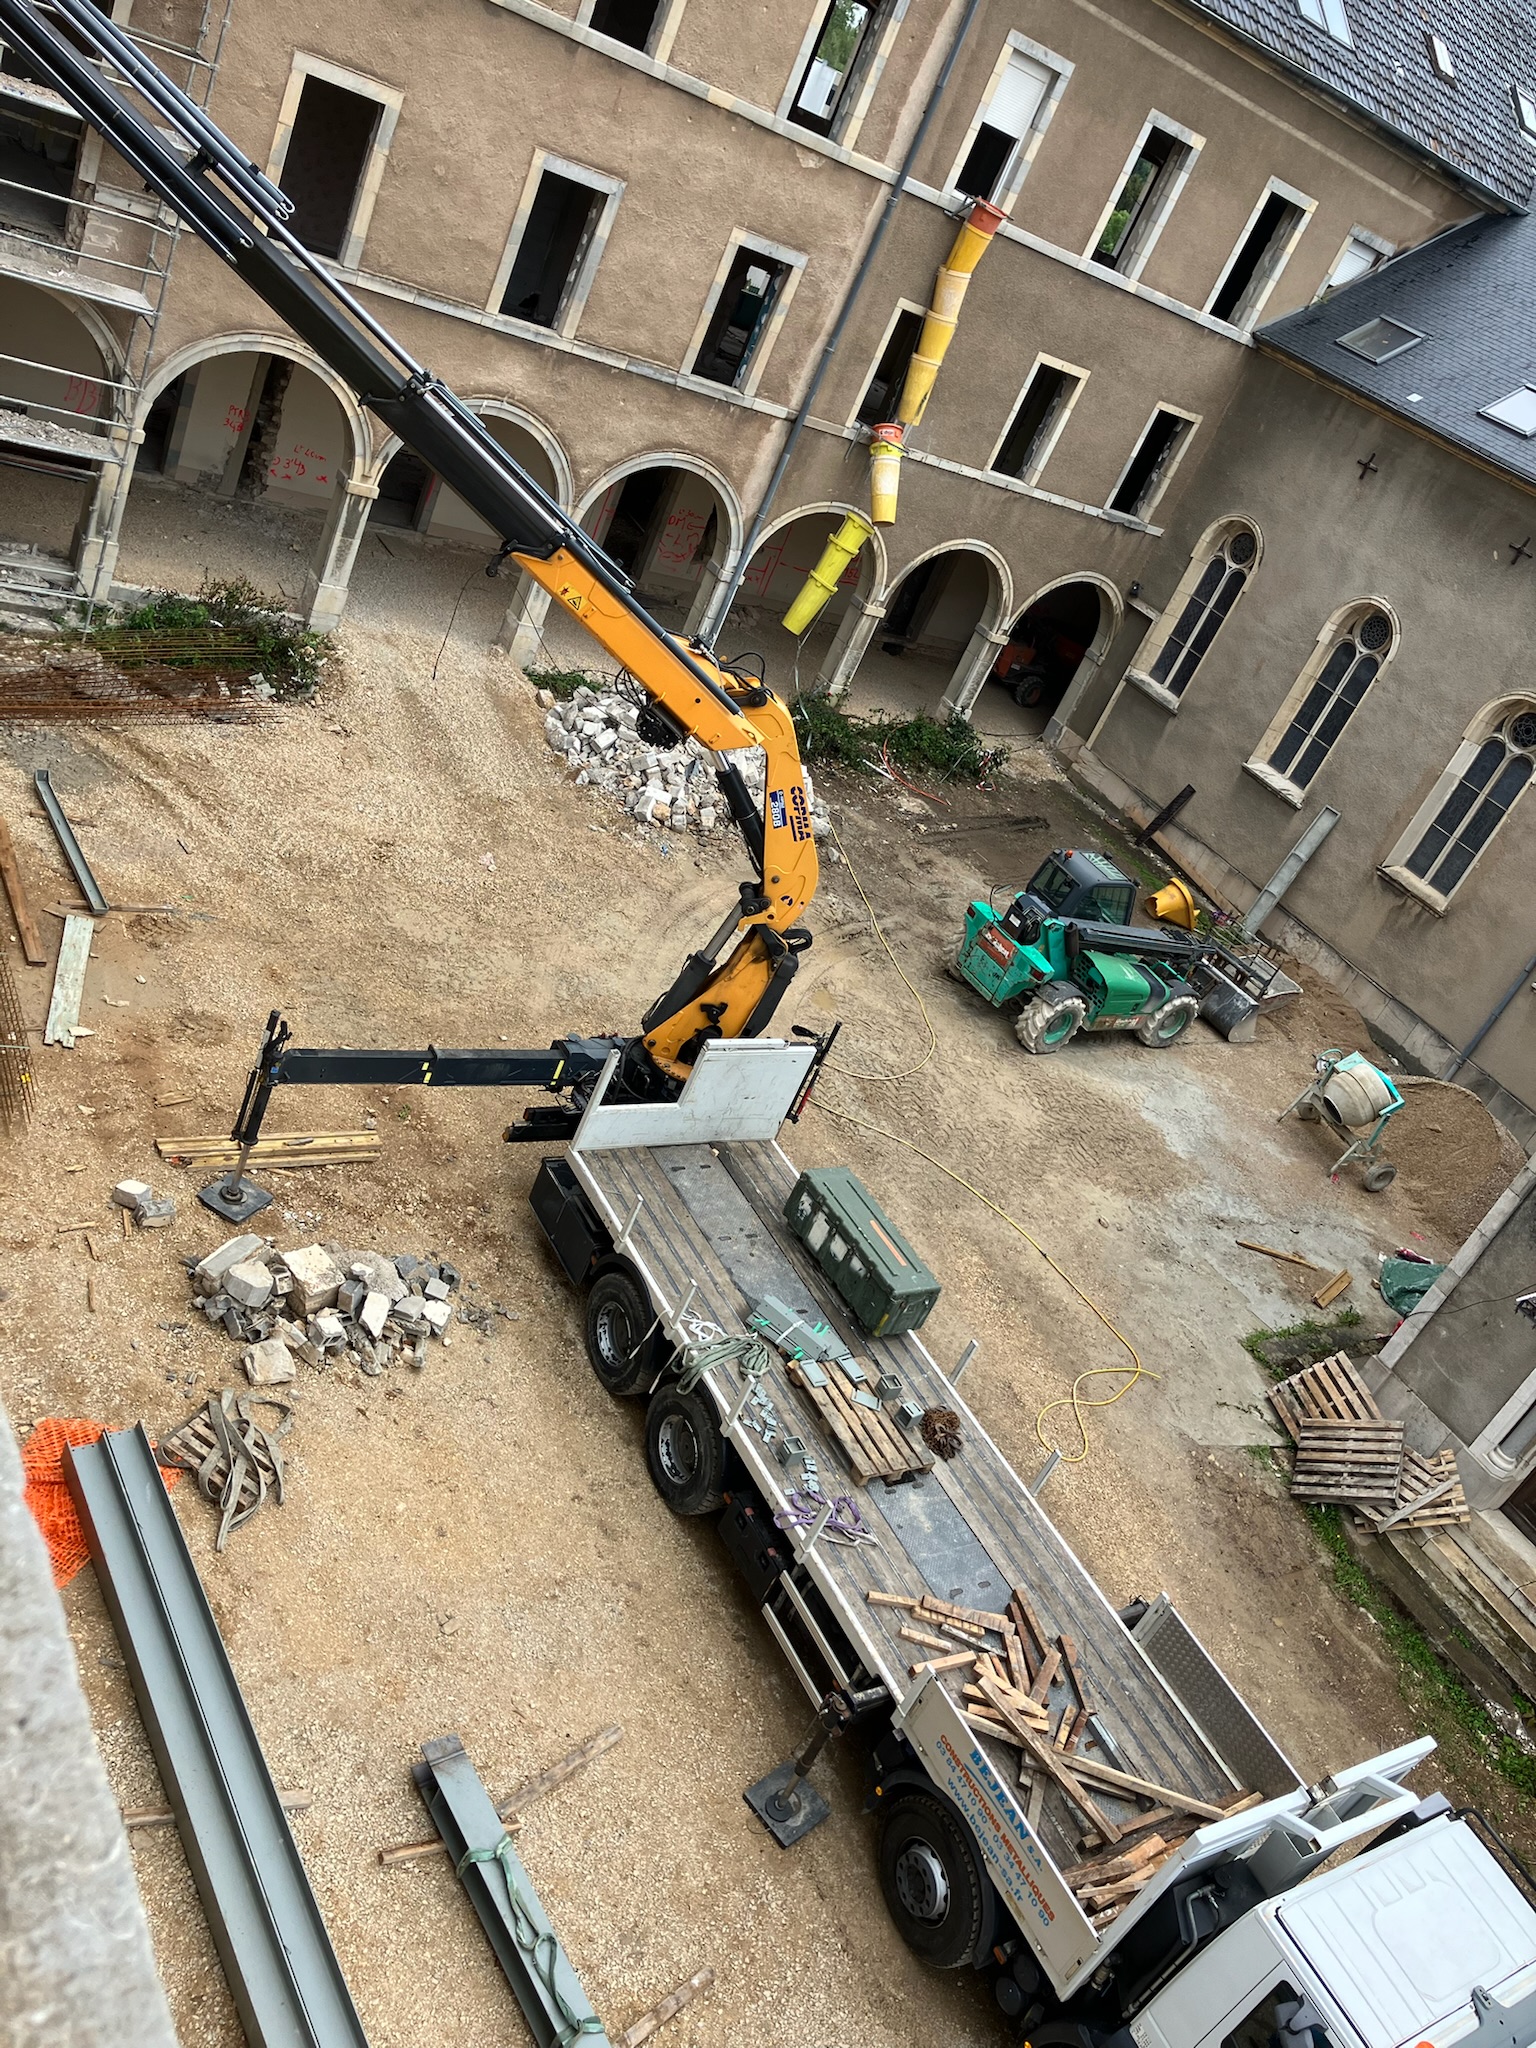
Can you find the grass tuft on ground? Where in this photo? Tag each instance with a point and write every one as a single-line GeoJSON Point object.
{"type": "Point", "coordinates": [948, 752]}
{"type": "Point", "coordinates": [1282, 1352]}
{"type": "Point", "coordinates": [224, 615]}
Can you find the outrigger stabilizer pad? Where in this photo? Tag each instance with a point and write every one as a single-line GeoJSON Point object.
{"type": "Point", "coordinates": [234, 1198]}
{"type": "Point", "coordinates": [787, 1803]}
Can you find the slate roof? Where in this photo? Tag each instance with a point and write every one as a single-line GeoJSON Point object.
{"type": "Point", "coordinates": [1469, 292]}
{"type": "Point", "coordinates": [1467, 124]}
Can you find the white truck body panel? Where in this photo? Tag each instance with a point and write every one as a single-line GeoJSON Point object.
{"type": "Point", "coordinates": [740, 1090]}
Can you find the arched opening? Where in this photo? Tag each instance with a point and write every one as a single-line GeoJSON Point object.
{"type": "Point", "coordinates": [671, 531]}
{"type": "Point", "coordinates": [930, 650]}
{"type": "Point", "coordinates": [1050, 645]}
{"type": "Point", "coordinates": [57, 405]}
{"type": "Point", "coordinates": [244, 457]}
{"type": "Point", "coordinates": [774, 579]}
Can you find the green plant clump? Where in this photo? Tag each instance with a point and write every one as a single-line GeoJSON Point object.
{"type": "Point", "coordinates": [565, 682]}
{"type": "Point", "coordinates": [951, 751]}
{"type": "Point", "coordinates": [1430, 1686]}
{"type": "Point", "coordinates": [235, 613]}
{"type": "Point", "coordinates": [1282, 1352]}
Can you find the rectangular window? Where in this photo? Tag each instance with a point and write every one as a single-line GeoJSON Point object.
{"type": "Point", "coordinates": [884, 387]}
{"type": "Point", "coordinates": [1258, 259]}
{"type": "Point", "coordinates": [828, 82]}
{"type": "Point", "coordinates": [627, 21]}
{"type": "Point", "coordinates": [1142, 205]}
{"type": "Point", "coordinates": [556, 237]}
{"type": "Point", "coordinates": [1037, 423]}
{"type": "Point", "coordinates": [1008, 117]}
{"type": "Point", "coordinates": [39, 151]}
{"type": "Point", "coordinates": [1328, 15]}
{"type": "Point", "coordinates": [742, 312]}
{"type": "Point", "coordinates": [1361, 253]}
{"type": "Point", "coordinates": [1138, 490]}
{"type": "Point", "coordinates": [327, 157]}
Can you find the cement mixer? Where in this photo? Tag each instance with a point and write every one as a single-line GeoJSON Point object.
{"type": "Point", "coordinates": [1355, 1101]}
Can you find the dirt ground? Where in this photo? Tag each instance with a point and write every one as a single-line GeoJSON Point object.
{"type": "Point", "coordinates": [477, 1548]}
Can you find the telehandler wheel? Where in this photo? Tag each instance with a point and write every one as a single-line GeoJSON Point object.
{"type": "Point", "coordinates": [1169, 1022]}
{"type": "Point", "coordinates": [619, 1314]}
{"type": "Point", "coordinates": [932, 1880]}
{"type": "Point", "coordinates": [685, 1452]}
{"type": "Point", "coordinates": [1376, 1178]}
{"type": "Point", "coordinates": [1051, 1019]}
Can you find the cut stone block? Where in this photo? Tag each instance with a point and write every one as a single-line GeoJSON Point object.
{"type": "Point", "coordinates": [316, 1278]}
{"type": "Point", "coordinates": [129, 1193]}
{"type": "Point", "coordinates": [269, 1363]}
{"type": "Point", "coordinates": [155, 1212]}
{"type": "Point", "coordinates": [439, 1315]}
{"type": "Point", "coordinates": [208, 1274]}
{"type": "Point", "coordinates": [380, 1275]}
{"type": "Point", "coordinates": [248, 1284]}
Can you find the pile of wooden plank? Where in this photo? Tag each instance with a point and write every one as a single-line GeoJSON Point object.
{"type": "Point", "coordinates": [872, 1445]}
{"type": "Point", "coordinates": [1006, 1667]}
{"type": "Point", "coordinates": [1347, 1452]}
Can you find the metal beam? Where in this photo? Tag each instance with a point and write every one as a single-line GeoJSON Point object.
{"type": "Point", "coordinates": [79, 866]}
{"type": "Point", "coordinates": [282, 1971]}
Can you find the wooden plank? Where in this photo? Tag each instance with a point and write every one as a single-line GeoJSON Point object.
{"type": "Point", "coordinates": [1069, 1652]}
{"type": "Point", "coordinates": [1045, 1677]}
{"type": "Point", "coordinates": [876, 1598]}
{"type": "Point", "coordinates": [1108, 1868]}
{"type": "Point", "coordinates": [69, 982]}
{"type": "Point", "coordinates": [1143, 1788]}
{"type": "Point", "coordinates": [856, 1422]}
{"type": "Point", "coordinates": [32, 949]}
{"type": "Point", "coordinates": [292, 1148]}
{"type": "Point", "coordinates": [1330, 1290]}
{"type": "Point", "coordinates": [1045, 1756]}
{"type": "Point", "coordinates": [923, 1640]}
{"type": "Point", "coordinates": [958, 1662]}
{"type": "Point", "coordinates": [1019, 1673]}
{"type": "Point", "coordinates": [1247, 1244]}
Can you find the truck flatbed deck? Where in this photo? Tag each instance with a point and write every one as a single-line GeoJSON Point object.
{"type": "Point", "coordinates": [703, 1224]}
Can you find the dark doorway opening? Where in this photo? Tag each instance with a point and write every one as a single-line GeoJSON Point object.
{"type": "Point", "coordinates": [560, 226]}
{"type": "Point", "coordinates": [158, 426]}
{"type": "Point", "coordinates": [634, 517]}
{"type": "Point", "coordinates": [627, 21]}
{"type": "Point", "coordinates": [328, 150]}
{"type": "Point", "coordinates": [404, 484]}
{"type": "Point", "coordinates": [1047, 644]}
{"type": "Point", "coordinates": [901, 614]}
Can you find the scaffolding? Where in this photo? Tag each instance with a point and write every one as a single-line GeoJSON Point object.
{"type": "Point", "coordinates": [78, 223]}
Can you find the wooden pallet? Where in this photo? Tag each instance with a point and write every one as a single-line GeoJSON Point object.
{"type": "Point", "coordinates": [1434, 1481]}
{"type": "Point", "coordinates": [871, 1443]}
{"type": "Point", "coordinates": [1330, 1391]}
{"type": "Point", "coordinates": [1349, 1461]}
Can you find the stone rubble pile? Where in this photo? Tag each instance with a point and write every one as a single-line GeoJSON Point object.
{"type": "Point", "coordinates": [672, 787]}
{"type": "Point", "coordinates": [326, 1305]}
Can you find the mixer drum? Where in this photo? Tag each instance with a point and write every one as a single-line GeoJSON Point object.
{"type": "Point", "coordinates": [1355, 1097]}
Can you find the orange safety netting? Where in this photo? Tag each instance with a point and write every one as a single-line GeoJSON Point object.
{"type": "Point", "coordinates": [47, 1495]}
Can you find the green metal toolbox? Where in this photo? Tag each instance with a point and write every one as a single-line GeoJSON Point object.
{"type": "Point", "coordinates": [861, 1251]}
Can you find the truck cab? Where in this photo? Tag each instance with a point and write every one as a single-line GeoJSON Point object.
{"type": "Point", "coordinates": [1422, 1941]}
{"type": "Point", "coordinates": [1070, 884]}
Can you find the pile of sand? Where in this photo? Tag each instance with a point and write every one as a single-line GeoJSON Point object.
{"type": "Point", "coordinates": [1453, 1158]}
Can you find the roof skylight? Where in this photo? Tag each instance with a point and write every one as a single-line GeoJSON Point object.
{"type": "Point", "coordinates": [1525, 110]}
{"type": "Point", "coordinates": [1380, 339]}
{"type": "Point", "coordinates": [1517, 412]}
{"type": "Point", "coordinates": [1329, 15]}
{"type": "Point", "coordinates": [1440, 61]}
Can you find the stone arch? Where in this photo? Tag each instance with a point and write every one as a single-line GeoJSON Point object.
{"type": "Point", "coordinates": [65, 422]}
{"type": "Point", "coordinates": [346, 489]}
{"type": "Point", "coordinates": [928, 612]}
{"type": "Point", "coordinates": [1066, 677]}
{"type": "Point", "coordinates": [665, 521]}
{"type": "Point", "coordinates": [786, 551]}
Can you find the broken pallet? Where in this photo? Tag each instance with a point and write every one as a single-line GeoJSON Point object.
{"type": "Point", "coordinates": [1330, 1391]}
{"type": "Point", "coordinates": [1430, 1496]}
{"type": "Point", "coordinates": [1349, 1461]}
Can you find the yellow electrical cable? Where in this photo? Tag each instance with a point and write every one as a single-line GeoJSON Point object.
{"type": "Point", "coordinates": [933, 1037]}
{"type": "Point", "coordinates": [1075, 1399]}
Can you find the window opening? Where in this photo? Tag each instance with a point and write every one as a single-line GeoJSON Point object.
{"type": "Point", "coordinates": [823, 91]}
{"type": "Point", "coordinates": [1221, 584]}
{"type": "Point", "coordinates": [747, 298]}
{"type": "Point", "coordinates": [1355, 259]}
{"type": "Point", "coordinates": [1333, 699]}
{"type": "Point", "coordinates": [1440, 59]}
{"type": "Point", "coordinates": [884, 387]}
{"type": "Point", "coordinates": [1328, 15]}
{"type": "Point", "coordinates": [1009, 116]}
{"type": "Point", "coordinates": [1157, 165]}
{"type": "Point", "coordinates": [328, 152]}
{"type": "Point", "coordinates": [1525, 109]}
{"type": "Point", "coordinates": [1379, 340]}
{"type": "Point", "coordinates": [627, 21]}
{"type": "Point", "coordinates": [1517, 411]}
{"type": "Point", "coordinates": [1138, 486]}
{"type": "Point", "coordinates": [1256, 259]}
{"type": "Point", "coordinates": [39, 150]}
{"type": "Point", "coordinates": [1281, 2015]}
{"type": "Point", "coordinates": [558, 232]}
{"type": "Point", "coordinates": [1045, 396]}
{"type": "Point", "coordinates": [1477, 806]}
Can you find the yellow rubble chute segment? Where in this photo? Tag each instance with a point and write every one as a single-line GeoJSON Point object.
{"type": "Point", "coordinates": [885, 453]}
{"type": "Point", "coordinates": [948, 292]}
{"type": "Point", "coordinates": [840, 550]}
{"type": "Point", "coordinates": [1174, 903]}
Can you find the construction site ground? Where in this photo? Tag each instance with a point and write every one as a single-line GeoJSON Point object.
{"type": "Point", "coordinates": [476, 1548]}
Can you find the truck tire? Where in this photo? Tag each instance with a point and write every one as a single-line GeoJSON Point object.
{"type": "Point", "coordinates": [1051, 1019]}
{"type": "Point", "coordinates": [619, 1314]}
{"type": "Point", "coordinates": [685, 1451]}
{"type": "Point", "coordinates": [932, 1879]}
{"type": "Point", "coordinates": [1169, 1021]}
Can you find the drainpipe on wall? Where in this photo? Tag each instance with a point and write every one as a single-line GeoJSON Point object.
{"type": "Point", "coordinates": [727, 596]}
{"type": "Point", "coordinates": [1290, 867]}
{"type": "Point", "coordinates": [1490, 1020]}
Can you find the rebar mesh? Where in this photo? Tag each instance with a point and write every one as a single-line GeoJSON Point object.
{"type": "Point", "coordinates": [176, 674]}
{"type": "Point", "coordinates": [15, 1060]}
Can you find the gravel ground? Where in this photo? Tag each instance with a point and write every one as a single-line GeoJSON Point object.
{"type": "Point", "coordinates": [477, 1548]}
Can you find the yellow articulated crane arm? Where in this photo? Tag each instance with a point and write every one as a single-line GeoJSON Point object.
{"type": "Point", "coordinates": [694, 697]}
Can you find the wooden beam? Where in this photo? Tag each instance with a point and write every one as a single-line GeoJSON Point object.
{"type": "Point", "coordinates": [32, 948]}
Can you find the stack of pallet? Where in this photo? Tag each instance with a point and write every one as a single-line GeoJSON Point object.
{"type": "Point", "coordinates": [1006, 1667]}
{"type": "Point", "coordinates": [1349, 1454]}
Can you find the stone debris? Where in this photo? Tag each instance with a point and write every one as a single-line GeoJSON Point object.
{"type": "Point", "coordinates": [150, 1211]}
{"type": "Point", "coordinates": [673, 788]}
{"type": "Point", "coordinates": [326, 1306]}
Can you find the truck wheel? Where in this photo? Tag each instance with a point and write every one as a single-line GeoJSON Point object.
{"type": "Point", "coordinates": [685, 1451]}
{"type": "Point", "coordinates": [1050, 1020]}
{"type": "Point", "coordinates": [1169, 1022]}
{"type": "Point", "coordinates": [932, 1880]}
{"type": "Point", "coordinates": [619, 1314]}
{"type": "Point", "coordinates": [1377, 1177]}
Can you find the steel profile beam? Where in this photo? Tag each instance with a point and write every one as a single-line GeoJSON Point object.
{"type": "Point", "coordinates": [282, 1971]}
